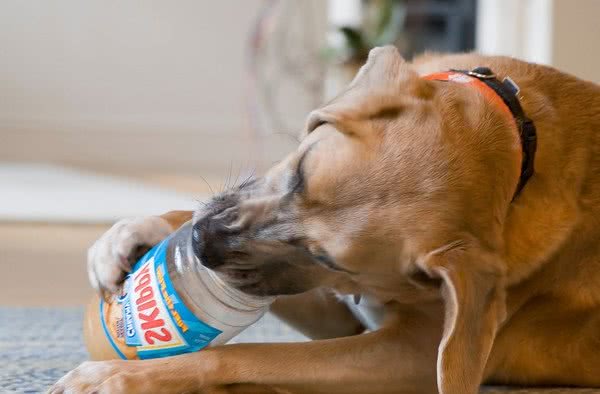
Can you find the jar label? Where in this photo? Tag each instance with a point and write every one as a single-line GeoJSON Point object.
{"type": "Point", "coordinates": [155, 319]}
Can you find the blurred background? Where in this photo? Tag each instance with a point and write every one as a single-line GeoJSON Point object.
{"type": "Point", "coordinates": [112, 108]}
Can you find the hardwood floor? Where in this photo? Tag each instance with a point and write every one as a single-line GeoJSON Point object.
{"type": "Point", "coordinates": [44, 264]}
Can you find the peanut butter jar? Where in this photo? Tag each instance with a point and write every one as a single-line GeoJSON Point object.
{"type": "Point", "coordinates": [170, 304]}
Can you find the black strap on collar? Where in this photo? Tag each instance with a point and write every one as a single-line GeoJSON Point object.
{"type": "Point", "coordinates": [508, 92]}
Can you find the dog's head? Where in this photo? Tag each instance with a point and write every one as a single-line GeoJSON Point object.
{"type": "Point", "coordinates": [400, 187]}
{"type": "Point", "coordinates": [380, 176]}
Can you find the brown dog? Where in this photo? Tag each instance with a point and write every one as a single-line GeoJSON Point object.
{"type": "Point", "coordinates": [402, 191]}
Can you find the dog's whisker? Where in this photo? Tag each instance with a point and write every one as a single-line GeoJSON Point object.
{"type": "Point", "coordinates": [248, 179]}
{"type": "Point", "coordinates": [237, 176]}
{"type": "Point", "coordinates": [225, 185]}
{"type": "Point", "coordinates": [207, 184]}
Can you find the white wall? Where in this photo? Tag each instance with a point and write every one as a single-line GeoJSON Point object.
{"type": "Point", "coordinates": [517, 28]}
{"type": "Point", "coordinates": [149, 85]}
{"type": "Point", "coordinates": [562, 33]}
{"type": "Point", "coordinates": [105, 83]}
{"type": "Point", "coordinates": [576, 39]}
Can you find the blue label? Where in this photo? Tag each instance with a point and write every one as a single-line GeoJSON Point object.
{"type": "Point", "coordinates": [155, 319]}
{"type": "Point", "coordinates": [131, 337]}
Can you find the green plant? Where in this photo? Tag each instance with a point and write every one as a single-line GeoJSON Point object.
{"type": "Point", "coordinates": [382, 24]}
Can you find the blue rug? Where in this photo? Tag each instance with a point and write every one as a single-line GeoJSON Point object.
{"type": "Point", "coordinates": [39, 345]}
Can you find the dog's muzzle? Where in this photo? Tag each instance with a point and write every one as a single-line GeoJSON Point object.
{"type": "Point", "coordinates": [214, 238]}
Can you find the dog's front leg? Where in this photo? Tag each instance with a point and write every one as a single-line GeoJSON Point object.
{"type": "Point", "coordinates": [391, 360]}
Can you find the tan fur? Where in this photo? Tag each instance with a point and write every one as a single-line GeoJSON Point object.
{"type": "Point", "coordinates": [409, 188]}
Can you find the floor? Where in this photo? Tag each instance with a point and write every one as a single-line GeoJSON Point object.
{"type": "Point", "coordinates": [30, 362]}
{"type": "Point", "coordinates": [44, 264]}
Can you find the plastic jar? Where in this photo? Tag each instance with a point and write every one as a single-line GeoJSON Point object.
{"type": "Point", "coordinates": [170, 304]}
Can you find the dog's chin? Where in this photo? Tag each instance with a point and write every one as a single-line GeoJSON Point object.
{"type": "Point", "coordinates": [272, 279]}
{"type": "Point", "coordinates": [262, 289]}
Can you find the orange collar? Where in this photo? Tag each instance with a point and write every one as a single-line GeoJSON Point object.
{"type": "Point", "coordinates": [464, 78]}
{"type": "Point", "coordinates": [503, 94]}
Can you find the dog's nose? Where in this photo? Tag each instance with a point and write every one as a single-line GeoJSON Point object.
{"type": "Point", "coordinates": [205, 244]}
{"type": "Point", "coordinates": [210, 237]}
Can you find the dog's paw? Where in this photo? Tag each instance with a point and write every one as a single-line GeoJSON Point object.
{"type": "Point", "coordinates": [113, 255]}
{"type": "Point", "coordinates": [99, 377]}
{"type": "Point", "coordinates": [172, 376]}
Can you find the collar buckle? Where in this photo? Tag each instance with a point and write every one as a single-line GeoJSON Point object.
{"type": "Point", "coordinates": [479, 73]}
{"type": "Point", "coordinates": [481, 76]}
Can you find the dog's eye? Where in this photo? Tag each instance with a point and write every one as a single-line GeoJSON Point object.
{"type": "Point", "coordinates": [298, 178]}
{"type": "Point", "coordinates": [323, 258]}
{"type": "Point", "coordinates": [296, 183]}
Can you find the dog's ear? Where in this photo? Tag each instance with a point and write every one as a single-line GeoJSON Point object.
{"type": "Point", "coordinates": [380, 86]}
{"type": "Point", "coordinates": [384, 67]}
{"type": "Point", "coordinates": [471, 284]}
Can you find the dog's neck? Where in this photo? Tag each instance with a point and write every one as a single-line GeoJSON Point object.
{"type": "Point", "coordinates": [504, 95]}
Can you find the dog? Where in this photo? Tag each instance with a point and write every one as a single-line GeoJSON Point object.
{"type": "Point", "coordinates": [407, 195]}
